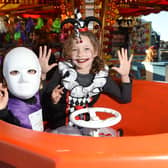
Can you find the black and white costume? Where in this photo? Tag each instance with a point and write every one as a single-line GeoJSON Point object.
{"type": "Point", "coordinates": [80, 91]}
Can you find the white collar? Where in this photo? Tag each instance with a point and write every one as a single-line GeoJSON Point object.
{"type": "Point", "coordinates": [77, 90]}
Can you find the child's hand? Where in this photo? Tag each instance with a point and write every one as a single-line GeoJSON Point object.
{"type": "Point", "coordinates": [125, 65]}
{"type": "Point", "coordinates": [44, 59]}
{"type": "Point", "coordinates": [57, 94]}
{"type": "Point", "coordinates": [3, 96]}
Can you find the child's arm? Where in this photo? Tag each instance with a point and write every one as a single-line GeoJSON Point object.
{"type": "Point", "coordinates": [125, 65]}
{"type": "Point", "coordinates": [122, 92]}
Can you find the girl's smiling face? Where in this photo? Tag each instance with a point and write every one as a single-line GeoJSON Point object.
{"type": "Point", "coordinates": [83, 54]}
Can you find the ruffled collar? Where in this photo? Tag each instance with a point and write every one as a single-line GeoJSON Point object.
{"type": "Point", "coordinates": [70, 82]}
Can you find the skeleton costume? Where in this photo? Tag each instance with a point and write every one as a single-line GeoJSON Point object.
{"type": "Point", "coordinates": [24, 108]}
{"type": "Point", "coordinates": [80, 91]}
{"type": "Point", "coordinates": [78, 94]}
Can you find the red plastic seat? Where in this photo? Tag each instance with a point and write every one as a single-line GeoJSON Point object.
{"type": "Point", "coordinates": [143, 145]}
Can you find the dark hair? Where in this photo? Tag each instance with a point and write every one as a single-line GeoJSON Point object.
{"type": "Point", "coordinates": [98, 63]}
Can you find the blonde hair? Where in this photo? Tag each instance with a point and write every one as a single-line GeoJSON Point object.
{"type": "Point", "coordinates": [150, 54]}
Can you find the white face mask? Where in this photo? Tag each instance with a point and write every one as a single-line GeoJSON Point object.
{"type": "Point", "coordinates": [22, 72]}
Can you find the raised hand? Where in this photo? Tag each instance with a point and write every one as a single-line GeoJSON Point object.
{"type": "Point", "coordinates": [44, 57]}
{"type": "Point", "coordinates": [57, 94]}
{"type": "Point", "coordinates": [125, 65]}
{"type": "Point", "coordinates": [3, 97]}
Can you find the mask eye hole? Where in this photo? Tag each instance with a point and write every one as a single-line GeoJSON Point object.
{"type": "Point", "coordinates": [14, 72]}
{"type": "Point", "coordinates": [31, 71]}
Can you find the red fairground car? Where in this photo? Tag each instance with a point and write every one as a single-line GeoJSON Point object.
{"type": "Point", "coordinates": [144, 142]}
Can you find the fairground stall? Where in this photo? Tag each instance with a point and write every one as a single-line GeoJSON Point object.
{"type": "Point", "coordinates": [36, 22]}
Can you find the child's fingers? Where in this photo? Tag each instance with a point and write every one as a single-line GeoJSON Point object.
{"type": "Point", "coordinates": [49, 53]}
{"type": "Point", "coordinates": [3, 88]}
{"type": "Point", "coordinates": [40, 51]}
{"type": "Point", "coordinates": [58, 88]}
{"type": "Point", "coordinates": [56, 99]}
{"type": "Point", "coordinates": [44, 50]}
{"type": "Point", "coordinates": [3, 92]}
{"type": "Point", "coordinates": [131, 58]}
{"type": "Point", "coordinates": [57, 93]}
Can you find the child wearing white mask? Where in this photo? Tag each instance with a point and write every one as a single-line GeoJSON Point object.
{"type": "Point", "coordinates": [20, 103]}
